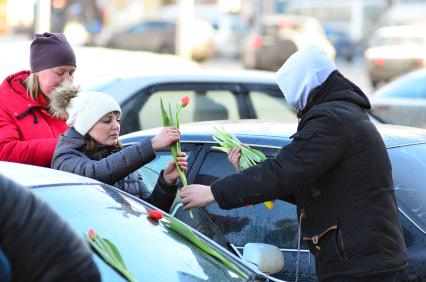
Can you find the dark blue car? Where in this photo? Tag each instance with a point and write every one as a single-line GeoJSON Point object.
{"type": "Point", "coordinates": [235, 228]}
{"type": "Point", "coordinates": [151, 250]}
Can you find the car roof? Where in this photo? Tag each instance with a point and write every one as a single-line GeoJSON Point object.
{"type": "Point", "coordinates": [33, 176]}
{"type": "Point", "coordinates": [393, 135]}
{"type": "Point", "coordinates": [121, 88]}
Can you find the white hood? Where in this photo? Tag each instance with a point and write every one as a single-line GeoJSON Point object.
{"type": "Point", "coordinates": [303, 71]}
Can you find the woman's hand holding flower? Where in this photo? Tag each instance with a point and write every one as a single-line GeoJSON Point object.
{"type": "Point", "coordinates": [165, 137]}
{"type": "Point", "coordinates": [171, 174]}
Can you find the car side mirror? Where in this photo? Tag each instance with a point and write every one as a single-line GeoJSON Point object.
{"type": "Point", "coordinates": [268, 258]}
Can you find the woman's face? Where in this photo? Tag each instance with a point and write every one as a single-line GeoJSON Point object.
{"type": "Point", "coordinates": [53, 77]}
{"type": "Point", "coordinates": [107, 129]}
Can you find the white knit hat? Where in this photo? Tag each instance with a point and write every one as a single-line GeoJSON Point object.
{"type": "Point", "coordinates": [87, 108]}
{"type": "Point", "coordinates": [83, 109]}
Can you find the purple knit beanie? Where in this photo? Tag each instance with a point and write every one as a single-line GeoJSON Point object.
{"type": "Point", "coordinates": [50, 50]}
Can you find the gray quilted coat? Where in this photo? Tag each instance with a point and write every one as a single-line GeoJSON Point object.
{"type": "Point", "coordinates": [118, 169]}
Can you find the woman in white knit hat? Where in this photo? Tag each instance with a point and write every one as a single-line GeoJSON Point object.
{"type": "Point", "coordinates": [91, 147]}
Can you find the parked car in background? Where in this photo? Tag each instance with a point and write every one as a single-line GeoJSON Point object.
{"type": "Point", "coordinates": [395, 50]}
{"type": "Point", "coordinates": [402, 101]}
{"type": "Point", "coordinates": [276, 37]}
{"type": "Point", "coordinates": [407, 151]}
{"type": "Point", "coordinates": [348, 24]}
{"type": "Point", "coordinates": [344, 45]}
{"type": "Point", "coordinates": [159, 36]}
{"type": "Point", "coordinates": [214, 95]}
{"type": "Point", "coordinates": [404, 13]}
{"type": "Point", "coordinates": [229, 29]}
{"type": "Point", "coordinates": [150, 250]}
{"type": "Point", "coordinates": [229, 34]}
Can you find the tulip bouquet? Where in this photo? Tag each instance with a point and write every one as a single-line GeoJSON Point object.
{"type": "Point", "coordinates": [170, 119]}
{"type": "Point", "coordinates": [109, 252]}
{"type": "Point", "coordinates": [249, 156]}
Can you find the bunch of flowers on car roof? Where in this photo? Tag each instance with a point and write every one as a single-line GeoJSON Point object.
{"type": "Point", "coordinates": [249, 156]}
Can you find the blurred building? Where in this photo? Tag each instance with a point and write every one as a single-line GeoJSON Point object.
{"type": "Point", "coordinates": [3, 17]}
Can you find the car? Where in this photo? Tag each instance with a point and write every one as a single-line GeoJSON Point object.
{"type": "Point", "coordinates": [229, 33]}
{"type": "Point", "coordinates": [229, 29]}
{"type": "Point", "coordinates": [403, 13]}
{"type": "Point", "coordinates": [151, 250]}
{"type": "Point", "coordinates": [406, 147]}
{"type": "Point", "coordinates": [394, 51]}
{"type": "Point", "coordinates": [402, 101]}
{"type": "Point", "coordinates": [348, 24]}
{"type": "Point", "coordinates": [214, 95]}
{"type": "Point", "coordinates": [345, 47]}
{"type": "Point", "coordinates": [276, 37]}
{"type": "Point", "coordinates": [159, 36]}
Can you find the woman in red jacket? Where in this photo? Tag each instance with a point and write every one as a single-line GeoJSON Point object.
{"type": "Point", "coordinates": [28, 132]}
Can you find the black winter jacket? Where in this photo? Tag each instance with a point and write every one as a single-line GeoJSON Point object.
{"type": "Point", "coordinates": [338, 170]}
{"type": "Point", "coordinates": [38, 244]}
{"type": "Point", "coordinates": [118, 169]}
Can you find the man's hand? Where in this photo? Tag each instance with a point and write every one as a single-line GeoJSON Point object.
{"type": "Point", "coordinates": [196, 196]}
{"type": "Point", "coordinates": [164, 138]}
{"type": "Point", "coordinates": [171, 173]}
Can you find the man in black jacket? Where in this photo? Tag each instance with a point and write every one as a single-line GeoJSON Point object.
{"type": "Point", "coordinates": [36, 243]}
{"type": "Point", "coordinates": [336, 170]}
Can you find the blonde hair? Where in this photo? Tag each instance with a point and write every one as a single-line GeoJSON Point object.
{"type": "Point", "coordinates": [33, 86]}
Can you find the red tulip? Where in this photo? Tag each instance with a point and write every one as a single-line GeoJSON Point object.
{"type": "Point", "coordinates": [184, 101]}
{"type": "Point", "coordinates": [155, 214]}
{"type": "Point", "coordinates": [92, 234]}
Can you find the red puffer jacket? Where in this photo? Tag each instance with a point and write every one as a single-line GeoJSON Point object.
{"type": "Point", "coordinates": [28, 132]}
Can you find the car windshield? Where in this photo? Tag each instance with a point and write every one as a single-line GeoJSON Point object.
{"type": "Point", "coordinates": [408, 168]}
{"type": "Point", "coordinates": [150, 250]}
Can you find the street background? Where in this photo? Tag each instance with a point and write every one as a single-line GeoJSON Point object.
{"type": "Point", "coordinates": [101, 32]}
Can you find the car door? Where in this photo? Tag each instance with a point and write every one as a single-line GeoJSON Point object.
{"type": "Point", "coordinates": [256, 224]}
{"type": "Point", "coordinates": [253, 224]}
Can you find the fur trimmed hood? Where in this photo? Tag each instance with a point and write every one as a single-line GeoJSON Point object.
{"type": "Point", "coordinates": [61, 98]}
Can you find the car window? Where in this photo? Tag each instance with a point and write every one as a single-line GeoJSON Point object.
{"type": "Point", "coordinates": [408, 169]}
{"type": "Point", "coordinates": [257, 223]}
{"type": "Point", "coordinates": [405, 88]}
{"type": "Point", "coordinates": [149, 26]}
{"type": "Point", "coordinates": [272, 107]}
{"type": "Point", "coordinates": [151, 170]}
{"type": "Point", "coordinates": [204, 105]}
